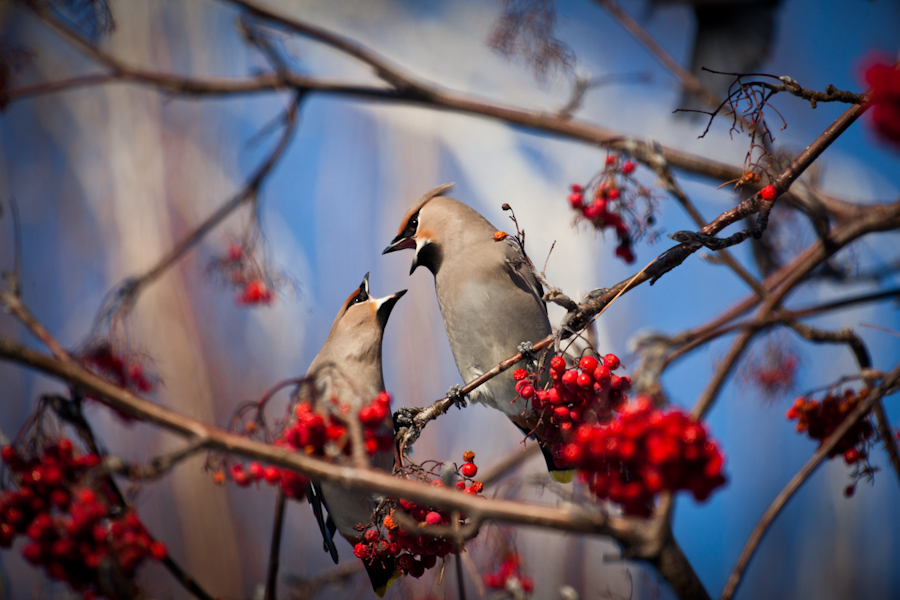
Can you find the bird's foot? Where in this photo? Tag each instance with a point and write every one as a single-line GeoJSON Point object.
{"type": "Point", "coordinates": [526, 349]}
{"type": "Point", "coordinates": [456, 396]}
{"type": "Point", "coordinates": [405, 417]}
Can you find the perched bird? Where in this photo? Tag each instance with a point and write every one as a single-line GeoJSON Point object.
{"type": "Point", "coordinates": [490, 299]}
{"type": "Point", "coordinates": [348, 367]}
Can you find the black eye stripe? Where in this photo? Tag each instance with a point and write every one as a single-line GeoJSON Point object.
{"type": "Point", "coordinates": [361, 297]}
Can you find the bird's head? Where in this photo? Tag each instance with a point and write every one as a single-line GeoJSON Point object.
{"type": "Point", "coordinates": [423, 229]}
{"type": "Point", "coordinates": [363, 313]}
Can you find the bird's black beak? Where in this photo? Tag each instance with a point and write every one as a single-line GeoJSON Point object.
{"type": "Point", "coordinates": [400, 243]}
{"type": "Point", "coordinates": [364, 286]}
{"type": "Point", "coordinates": [387, 305]}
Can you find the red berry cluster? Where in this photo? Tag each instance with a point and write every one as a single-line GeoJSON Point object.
{"type": "Point", "coordinates": [606, 209]}
{"type": "Point", "coordinates": [643, 452]}
{"type": "Point", "coordinates": [777, 374]}
{"type": "Point", "coordinates": [255, 292]}
{"type": "Point", "coordinates": [75, 534]}
{"type": "Point", "coordinates": [240, 269]}
{"type": "Point", "coordinates": [311, 432]}
{"type": "Point", "coordinates": [885, 102]}
{"type": "Point", "coordinates": [587, 393]}
{"type": "Point", "coordinates": [508, 576]}
{"type": "Point", "coordinates": [413, 554]}
{"type": "Point", "coordinates": [820, 419]}
{"type": "Point", "coordinates": [122, 369]}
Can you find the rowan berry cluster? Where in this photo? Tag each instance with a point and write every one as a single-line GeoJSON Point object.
{"type": "Point", "coordinates": [509, 577]}
{"type": "Point", "coordinates": [76, 532]}
{"type": "Point", "coordinates": [777, 373]}
{"type": "Point", "coordinates": [885, 101]}
{"type": "Point", "coordinates": [123, 369]}
{"type": "Point", "coordinates": [589, 392]}
{"type": "Point", "coordinates": [607, 199]}
{"type": "Point", "coordinates": [643, 452]}
{"type": "Point", "coordinates": [820, 419]}
{"type": "Point", "coordinates": [240, 269]}
{"type": "Point", "coordinates": [316, 434]}
{"type": "Point", "coordinates": [413, 553]}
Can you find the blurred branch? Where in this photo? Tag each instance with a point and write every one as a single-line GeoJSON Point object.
{"type": "Point", "coordinates": [406, 89]}
{"type": "Point", "coordinates": [640, 539]}
{"type": "Point", "coordinates": [887, 386]}
{"type": "Point", "coordinates": [158, 466]}
{"type": "Point", "coordinates": [305, 589]}
{"type": "Point", "coordinates": [687, 79]}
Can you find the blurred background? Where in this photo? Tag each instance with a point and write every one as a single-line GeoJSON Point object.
{"type": "Point", "coordinates": [108, 178]}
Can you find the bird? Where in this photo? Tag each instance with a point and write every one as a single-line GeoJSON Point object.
{"type": "Point", "coordinates": [349, 367]}
{"type": "Point", "coordinates": [490, 299]}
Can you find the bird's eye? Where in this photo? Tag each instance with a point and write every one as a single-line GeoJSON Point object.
{"type": "Point", "coordinates": [360, 298]}
{"type": "Point", "coordinates": [411, 226]}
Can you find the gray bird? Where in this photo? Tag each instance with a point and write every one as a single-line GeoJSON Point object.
{"type": "Point", "coordinates": [348, 367]}
{"type": "Point", "coordinates": [490, 299]}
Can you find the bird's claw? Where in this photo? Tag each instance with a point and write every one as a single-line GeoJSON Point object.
{"type": "Point", "coordinates": [405, 420]}
{"type": "Point", "coordinates": [457, 397]}
{"type": "Point", "coordinates": [405, 417]}
{"type": "Point", "coordinates": [526, 349]}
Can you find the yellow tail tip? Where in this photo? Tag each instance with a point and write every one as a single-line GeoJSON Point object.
{"type": "Point", "coordinates": [563, 476]}
{"type": "Point", "coordinates": [380, 592]}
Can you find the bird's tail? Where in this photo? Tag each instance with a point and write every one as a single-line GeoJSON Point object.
{"type": "Point", "coordinates": [382, 574]}
{"type": "Point", "coordinates": [562, 475]}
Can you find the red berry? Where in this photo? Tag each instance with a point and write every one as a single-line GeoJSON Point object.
{"type": "Point", "coordinates": [628, 167]}
{"type": "Point", "coordinates": [557, 363]}
{"type": "Point", "coordinates": [611, 159]}
{"type": "Point", "coordinates": [576, 200]}
{"type": "Point", "coordinates": [613, 194]}
{"type": "Point", "coordinates": [272, 474]}
{"type": "Point", "coordinates": [520, 374]}
{"type": "Point", "coordinates": [576, 187]}
{"type": "Point", "coordinates": [158, 550]}
{"type": "Point", "coordinates": [849, 490]}
{"type": "Point", "coordinates": [768, 193]}
{"type": "Point", "coordinates": [235, 251]}
{"type": "Point", "coordinates": [587, 364]}
{"type": "Point", "coordinates": [361, 551]}
{"type": "Point", "coordinates": [433, 518]}
{"type": "Point", "coordinates": [584, 381]}
{"type": "Point", "coordinates": [611, 361]}
{"type": "Point", "coordinates": [256, 470]}
{"type": "Point", "coordinates": [468, 470]}
{"type": "Point", "coordinates": [526, 390]}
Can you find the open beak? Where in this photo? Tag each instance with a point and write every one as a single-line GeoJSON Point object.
{"type": "Point", "coordinates": [386, 305]}
{"type": "Point", "coordinates": [400, 243]}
